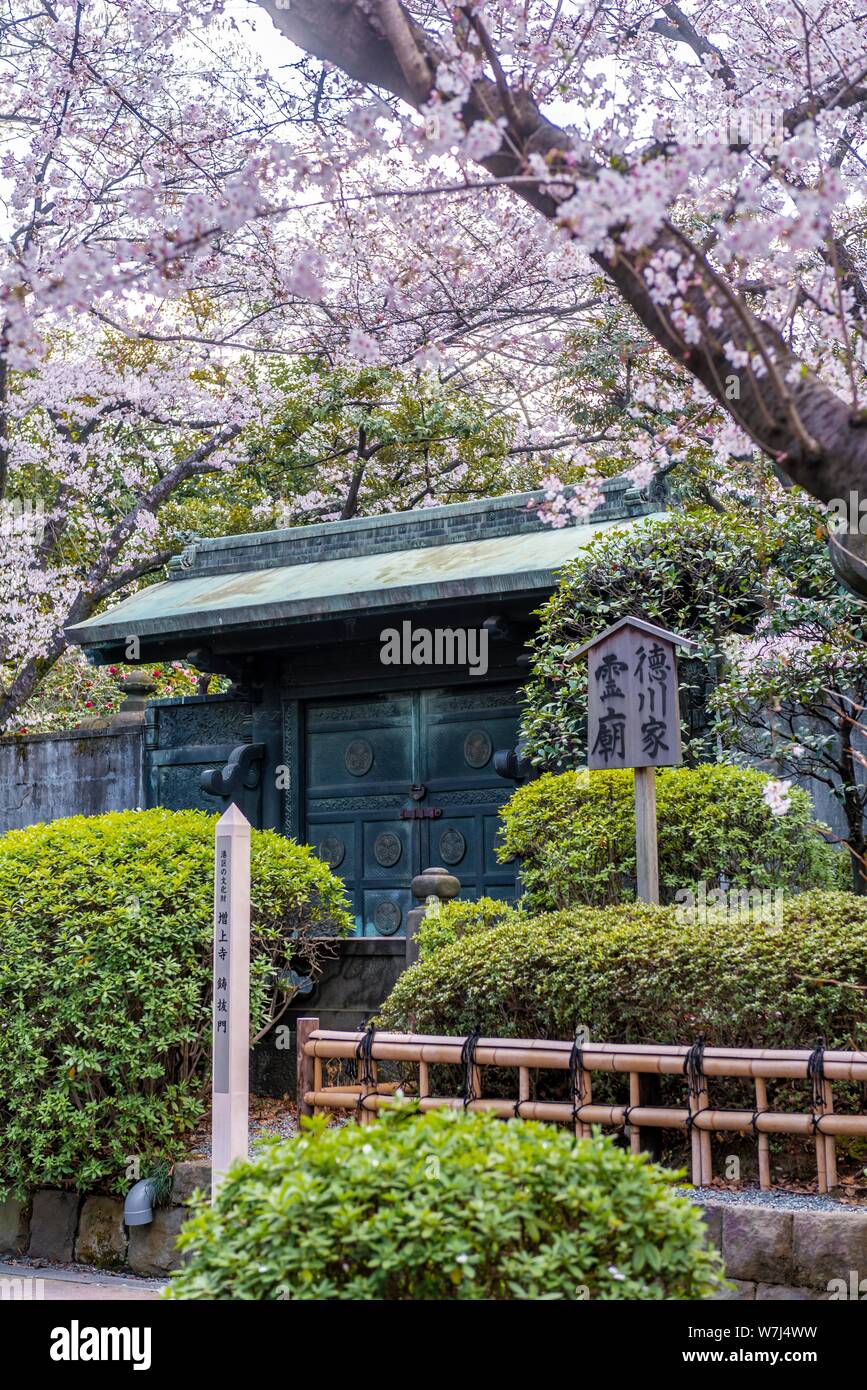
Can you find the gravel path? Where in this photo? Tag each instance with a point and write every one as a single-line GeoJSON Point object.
{"type": "Point", "coordinates": [279, 1127]}
{"type": "Point", "coordinates": [776, 1198]}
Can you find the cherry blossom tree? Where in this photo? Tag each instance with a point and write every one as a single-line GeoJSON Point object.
{"type": "Point", "coordinates": [709, 159]}
{"type": "Point", "coordinates": [423, 187]}
{"type": "Point", "coordinates": [144, 299]}
{"type": "Point", "coordinates": [102, 104]}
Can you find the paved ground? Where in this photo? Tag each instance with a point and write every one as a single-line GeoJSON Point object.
{"type": "Point", "coordinates": [70, 1283]}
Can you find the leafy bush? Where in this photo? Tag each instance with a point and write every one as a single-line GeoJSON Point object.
{"type": "Point", "coordinates": [459, 917]}
{"type": "Point", "coordinates": [700, 574]}
{"type": "Point", "coordinates": [575, 836]}
{"type": "Point", "coordinates": [445, 1206]}
{"type": "Point", "coordinates": [695, 574]}
{"type": "Point", "coordinates": [642, 974]}
{"type": "Point", "coordinates": [105, 952]}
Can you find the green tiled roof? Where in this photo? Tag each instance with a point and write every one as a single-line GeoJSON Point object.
{"type": "Point", "coordinates": [271, 579]}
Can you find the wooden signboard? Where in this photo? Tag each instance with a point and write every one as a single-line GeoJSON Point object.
{"type": "Point", "coordinates": [231, 1026]}
{"type": "Point", "coordinates": [633, 720]}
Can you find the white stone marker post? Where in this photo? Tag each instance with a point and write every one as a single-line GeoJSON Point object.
{"type": "Point", "coordinates": [231, 1032]}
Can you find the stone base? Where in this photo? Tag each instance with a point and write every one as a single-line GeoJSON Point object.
{"type": "Point", "coordinates": [152, 1248]}
{"type": "Point", "coordinates": [787, 1256]}
{"type": "Point", "coordinates": [53, 1225]}
{"type": "Point", "coordinates": [63, 1227]}
{"type": "Point", "coordinates": [769, 1255]}
{"type": "Point", "coordinates": [101, 1239]}
{"type": "Point", "coordinates": [14, 1227]}
{"type": "Point", "coordinates": [188, 1178]}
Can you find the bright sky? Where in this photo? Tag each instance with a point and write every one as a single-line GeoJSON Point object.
{"type": "Point", "coordinates": [255, 24]}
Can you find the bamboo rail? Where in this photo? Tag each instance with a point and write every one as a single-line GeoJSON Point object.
{"type": "Point", "coordinates": [696, 1064]}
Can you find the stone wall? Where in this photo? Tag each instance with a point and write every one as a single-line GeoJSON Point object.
{"type": "Point", "coordinates": [782, 1255]}
{"type": "Point", "coordinates": [65, 1226]}
{"type": "Point", "coordinates": [770, 1255]}
{"type": "Point", "coordinates": [81, 773]}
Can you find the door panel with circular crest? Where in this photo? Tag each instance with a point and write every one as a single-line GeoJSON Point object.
{"type": "Point", "coordinates": [395, 783]}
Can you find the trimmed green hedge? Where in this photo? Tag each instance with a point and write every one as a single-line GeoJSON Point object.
{"type": "Point", "coordinates": [445, 1206]}
{"type": "Point", "coordinates": [105, 964]}
{"type": "Point", "coordinates": [459, 917]}
{"type": "Point", "coordinates": [574, 833]}
{"type": "Point", "coordinates": [634, 973]}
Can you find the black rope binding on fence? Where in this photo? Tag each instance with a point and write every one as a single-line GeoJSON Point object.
{"type": "Point", "coordinates": [468, 1062]}
{"type": "Point", "coordinates": [816, 1078]}
{"type": "Point", "coordinates": [692, 1116]}
{"type": "Point", "coordinates": [816, 1073]}
{"type": "Point", "coordinates": [576, 1085]}
{"type": "Point", "coordinates": [693, 1070]}
{"type": "Point", "coordinates": [364, 1053]}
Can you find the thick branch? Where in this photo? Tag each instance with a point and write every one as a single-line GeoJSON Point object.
{"type": "Point", "coordinates": [783, 411]}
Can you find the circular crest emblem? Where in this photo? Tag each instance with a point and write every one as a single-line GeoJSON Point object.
{"type": "Point", "coordinates": [387, 849]}
{"type": "Point", "coordinates": [332, 851]}
{"type": "Point", "coordinates": [477, 748]}
{"type": "Point", "coordinates": [358, 757]}
{"type": "Point", "coordinates": [387, 917]}
{"type": "Point", "coordinates": [453, 846]}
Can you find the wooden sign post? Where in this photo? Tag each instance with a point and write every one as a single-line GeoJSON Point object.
{"type": "Point", "coordinates": [231, 1031]}
{"type": "Point", "coordinates": [633, 720]}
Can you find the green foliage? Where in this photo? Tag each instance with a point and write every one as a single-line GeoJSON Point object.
{"type": "Point", "coordinates": [644, 974]}
{"type": "Point", "coordinates": [459, 918]}
{"type": "Point", "coordinates": [398, 436]}
{"type": "Point", "coordinates": [697, 574]}
{"type": "Point", "coordinates": [575, 835]}
{"type": "Point", "coordinates": [700, 574]}
{"type": "Point", "coordinates": [105, 954]}
{"type": "Point", "coordinates": [778, 668]}
{"type": "Point", "coordinates": [445, 1206]}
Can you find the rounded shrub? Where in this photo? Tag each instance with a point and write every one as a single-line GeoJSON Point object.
{"type": "Point", "coordinates": [445, 1205]}
{"type": "Point", "coordinates": [459, 917]}
{"type": "Point", "coordinates": [634, 973]}
{"type": "Point", "coordinates": [105, 983]}
{"type": "Point", "coordinates": [574, 833]}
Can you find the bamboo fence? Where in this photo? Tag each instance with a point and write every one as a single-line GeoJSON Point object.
{"type": "Point", "coordinates": [698, 1065]}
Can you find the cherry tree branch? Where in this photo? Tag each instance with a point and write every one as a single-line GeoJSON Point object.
{"type": "Point", "coordinates": [806, 428]}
